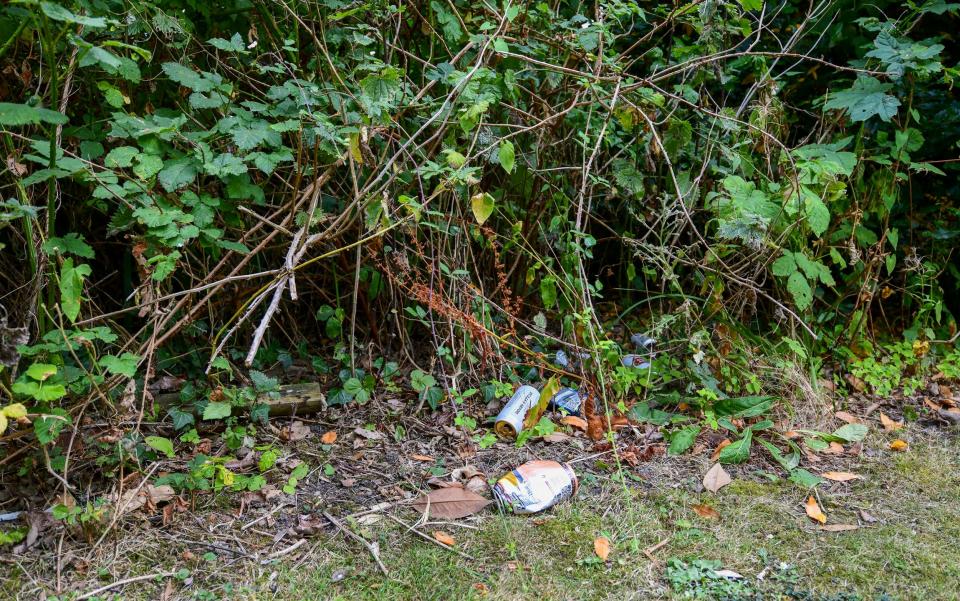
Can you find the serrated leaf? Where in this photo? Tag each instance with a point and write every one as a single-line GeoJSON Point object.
{"type": "Point", "coordinates": [187, 77]}
{"type": "Point", "coordinates": [785, 265]}
{"type": "Point", "coordinates": [804, 478]}
{"type": "Point", "coordinates": [818, 215]}
{"type": "Point", "coordinates": [22, 114]}
{"type": "Point", "coordinates": [800, 290]}
{"type": "Point", "coordinates": [122, 156]}
{"type": "Point", "coordinates": [125, 364]}
{"type": "Point", "coordinates": [866, 98]}
{"type": "Point", "coordinates": [159, 443]}
{"type": "Point", "coordinates": [482, 205]}
{"type": "Point", "coordinates": [71, 243]}
{"type": "Point", "coordinates": [71, 287]}
{"type": "Point", "coordinates": [147, 166]}
{"type": "Point", "coordinates": [177, 173]}
{"type": "Point", "coordinates": [48, 427]}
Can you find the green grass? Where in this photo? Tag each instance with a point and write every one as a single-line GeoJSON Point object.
{"type": "Point", "coordinates": [910, 553]}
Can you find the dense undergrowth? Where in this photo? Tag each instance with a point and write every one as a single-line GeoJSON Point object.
{"type": "Point", "coordinates": [428, 200]}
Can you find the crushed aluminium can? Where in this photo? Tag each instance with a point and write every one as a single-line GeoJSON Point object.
{"type": "Point", "coordinates": [568, 400]}
{"type": "Point", "coordinates": [637, 361]}
{"type": "Point", "coordinates": [510, 419]}
{"type": "Point", "coordinates": [535, 486]}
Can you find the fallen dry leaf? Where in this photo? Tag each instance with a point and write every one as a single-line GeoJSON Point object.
{"type": "Point", "coordinates": [792, 434]}
{"type": "Point", "coordinates": [716, 452]}
{"type": "Point", "coordinates": [369, 434]}
{"type": "Point", "coordinates": [813, 510]}
{"type": "Point", "coordinates": [329, 437]}
{"type": "Point", "coordinates": [426, 458]}
{"type": "Point", "coordinates": [888, 424]}
{"type": "Point", "coordinates": [557, 437]}
{"type": "Point", "coordinates": [574, 422]}
{"type": "Point", "coordinates": [707, 512]}
{"type": "Point", "coordinates": [858, 384]}
{"type": "Point", "coordinates": [866, 517]}
{"type": "Point", "coordinates": [899, 445]}
{"type": "Point", "coordinates": [601, 546]}
{"type": "Point", "coordinates": [444, 538]}
{"type": "Point", "coordinates": [838, 527]}
{"type": "Point", "coordinates": [846, 417]}
{"type": "Point", "coordinates": [450, 503]}
{"type": "Point", "coordinates": [840, 476]}
{"type": "Point", "coordinates": [296, 431]}
{"type": "Point", "coordinates": [716, 478]}
{"type": "Point", "coordinates": [835, 448]}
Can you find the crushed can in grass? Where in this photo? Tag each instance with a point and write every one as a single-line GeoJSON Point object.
{"type": "Point", "coordinates": [637, 361]}
{"type": "Point", "coordinates": [568, 400]}
{"type": "Point", "coordinates": [535, 486]}
{"type": "Point", "coordinates": [510, 419]}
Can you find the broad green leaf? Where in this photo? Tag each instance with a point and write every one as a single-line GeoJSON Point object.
{"type": "Point", "coordinates": [159, 443]}
{"type": "Point", "coordinates": [72, 243]}
{"type": "Point", "coordinates": [506, 155]}
{"type": "Point", "coordinates": [124, 365]}
{"type": "Point", "coordinates": [48, 427]}
{"type": "Point", "coordinates": [58, 12]}
{"type": "Point", "coordinates": [818, 215]}
{"type": "Point", "coordinates": [217, 410]}
{"type": "Point", "coordinates": [738, 451]}
{"type": "Point", "coordinates": [851, 432]}
{"type": "Point", "coordinates": [22, 114]}
{"type": "Point", "coordinates": [177, 173]}
{"type": "Point", "coordinates": [804, 478]}
{"type": "Point", "coordinates": [482, 205]}
{"type": "Point", "coordinates": [147, 166]}
{"type": "Point", "coordinates": [867, 98]}
{"type": "Point", "coordinates": [683, 439]}
{"type": "Point", "coordinates": [548, 292]}
{"type": "Point", "coordinates": [121, 156]}
{"type": "Point", "coordinates": [747, 406]}
{"type": "Point", "coordinates": [188, 78]}
{"type": "Point", "coordinates": [41, 371]}
{"type": "Point", "coordinates": [785, 265]}
{"type": "Point", "coordinates": [71, 287]}
{"type": "Point", "coordinates": [800, 289]}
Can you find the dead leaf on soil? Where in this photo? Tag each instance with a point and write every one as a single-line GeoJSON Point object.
{"type": "Point", "coordinates": [866, 517]}
{"type": "Point", "coordinates": [557, 437]}
{"type": "Point", "coordinates": [574, 422]}
{"type": "Point", "coordinates": [450, 503]}
{"type": "Point", "coordinates": [296, 431]}
{"type": "Point", "coordinates": [858, 384]}
{"type": "Point", "coordinates": [840, 476]}
{"type": "Point", "coordinates": [716, 452]}
{"type": "Point", "coordinates": [846, 417]}
{"type": "Point", "coordinates": [425, 458]}
{"type": "Point", "coordinates": [707, 512]}
{"type": "Point", "coordinates": [444, 538]}
{"type": "Point", "coordinates": [601, 546]}
{"type": "Point", "coordinates": [329, 437]}
{"type": "Point", "coordinates": [838, 527]}
{"type": "Point", "coordinates": [368, 434]}
{"type": "Point", "coordinates": [835, 448]}
{"type": "Point", "coordinates": [899, 445]}
{"type": "Point", "coordinates": [716, 478]}
{"type": "Point", "coordinates": [888, 424]}
{"type": "Point", "coordinates": [813, 510]}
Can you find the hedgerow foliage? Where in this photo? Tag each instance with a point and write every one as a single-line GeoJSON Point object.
{"type": "Point", "coordinates": [194, 186]}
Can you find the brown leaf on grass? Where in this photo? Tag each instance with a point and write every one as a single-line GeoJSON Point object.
{"type": "Point", "coordinates": [716, 452]}
{"type": "Point", "coordinates": [716, 478]}
{"type": "Point", "coordinates": [450, 503]}
{"type": "Point", "coordinates": [840, 476]}
{"type": "Point", "coordinates": [835, 448]}
{"type": "Point", "coordinates": [813, 510]}
{"type": "Point", "coordinates": [444, 538]}
{"type": "Point", "coordinates": [426, 458]}
{"type": "Point", "coordinates": [329, 437]}
{"type": "Point", "coordinates": [838, 527]}
{"type": "Point", "coordinates": [899, 445]}
{"type": "Point", "coordinates": [601, 546]}
{"type": "Point", "coordinates": [574, 422]}
{"type": "Point", "coordinates": [888, 424]}
{"type": "Point", "coordinates": [846, 417]}
{"type": "Point", "coordinates": [706, 512]}
{"type": "Point", "coordinates": [866, 517]}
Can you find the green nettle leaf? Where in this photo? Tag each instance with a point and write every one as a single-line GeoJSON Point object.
{"type": "Point", "coordinates": [124, 365]}
{"type": "Point", "coordinates": [177, 173]}
{"type": "Point", "coordinates": [22, 114]}
{"type": "Point", "coordinates": [121, 156]}
{"type": "Point", "coordinates": [217, 410]}
{"type": "Point", "coordinates": [482, 205]}
{"type": "Point", "coordinates": [628, 178]}
{"type": "Point", "coordinates": [679, 133]}
{"type": "Point", "coordinates": [147, 166]}
{"type": "Point", "coordinates": [189, 78]}
{"type": "Point", "coordinates": [548, 292]}
{"type": "Point", "coordinates": [71, 287]}
{"type": "Point", "coordinates": [739, 451]}
{"type": "Point", "coordinates": [159, 443]}
{"type": "Point", "coordinates": [818, 215]}
{"type": "Point", "coordinates": [72, 243]}
{"type": "Point", "coordinates": [506, 155]}
{"type": "Point", "coordinates": [785, 265]}
{"type": "Point", "coordinates": [867, 97]}
{"type": "Point", "coordinates": [800, 289]}
{"type": "Point", "coordinates": [683, 439]}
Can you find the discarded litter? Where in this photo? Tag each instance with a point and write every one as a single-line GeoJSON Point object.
{"type": "Point", "coordinates": [568, 400]}
{"type": "Point", "coordinates": [535, 486]}
{"type": "Point", "coordinates": [642, 341]}
{"type": "Point", "coordinates": [564, 360]}
{"type": "Point", "coordinates": [637, 361]}
{"type": "Point", "coordinates": [510, 419]}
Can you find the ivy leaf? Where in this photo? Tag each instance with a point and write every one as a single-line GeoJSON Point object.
{"type": "Point", "coordinates": [124, 365]}
{"type": "Point", "coordinates": [71, 287]}
{"type": "Point", "coordinates": [217, 410]}
{"type": "Point", "coordinates": [506, 155]}
{"type": "Point", "coordinates": [800, 289]}
{"type": "Point", "coordinates": [22, 114]}
{"type": "Point", "coordinates": [482, 205]}
{"type": "Point", "coordinates": [72, 243]}
{"type": "Point", "coordinates": [159, 443]}
{"type": "Point", "coordinates": [867, 97]}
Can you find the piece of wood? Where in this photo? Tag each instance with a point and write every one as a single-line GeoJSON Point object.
{"type": "Point", "coordinates": [294, 399]}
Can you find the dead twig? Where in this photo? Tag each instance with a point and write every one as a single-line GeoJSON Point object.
{"type": "Point", "coordinates": [373, 550]}
{"type": "Point", "coordinates": [427, 537]}
{"type": "Point", "coordinates": [124, 582]}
